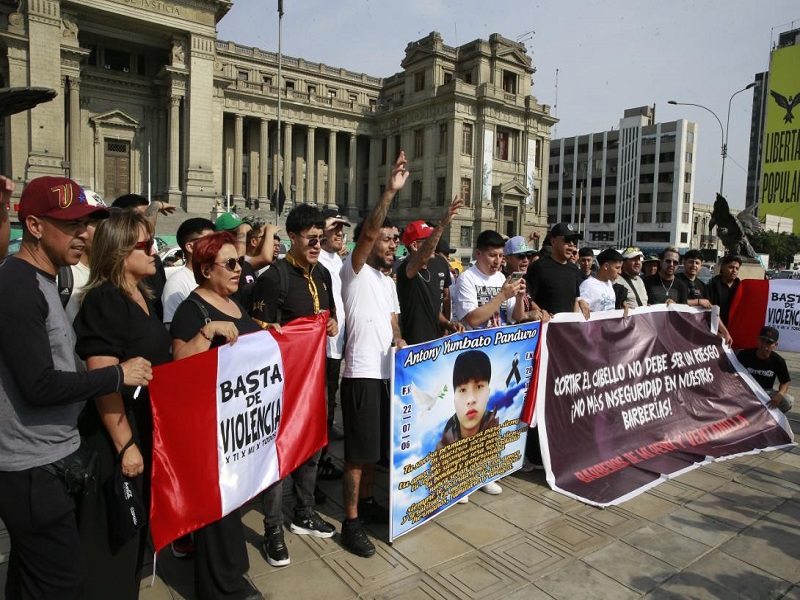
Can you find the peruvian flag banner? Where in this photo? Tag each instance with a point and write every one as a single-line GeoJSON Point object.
{"type": "Point", "coordinates": [230, 422]}
{"type": "Point", "coordinates": [759, 303]}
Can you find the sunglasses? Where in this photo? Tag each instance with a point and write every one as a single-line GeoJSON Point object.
{"type": "Point", "coordinates": [231, 263]}
{"type": "Point", "coordinates": [570, 239]}
{"type": "Point", "coordinates": [145, 245]}
{"type": "Point", "coordinates": [313, 240]}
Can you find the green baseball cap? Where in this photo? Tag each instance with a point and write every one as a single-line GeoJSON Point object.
{"type": "Point", "coordinates": [227, 221]}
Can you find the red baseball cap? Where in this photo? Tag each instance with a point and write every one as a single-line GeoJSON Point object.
{"type": "Point", "coordinates": [57, 198]}
{"type": "Point", "coordinates": [416, 230]}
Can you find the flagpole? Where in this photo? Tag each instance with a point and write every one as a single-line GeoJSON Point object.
{"type": "Point", "coordinates": [280, 163]}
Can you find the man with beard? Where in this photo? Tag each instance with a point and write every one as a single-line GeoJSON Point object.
{"type": "Point", "coordinates": [664, 287]}
{"type": "Point", "coordinates": [308, 291]}
{"type": "Point", "coordinates": [370, 302]}
{"type": "Point", "coordinates": [631, 278]}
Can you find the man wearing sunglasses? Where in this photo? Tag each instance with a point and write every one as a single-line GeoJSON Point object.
{"type": "Point", "coordinates": [309, 292]}
{"type": "Point", "coordinates": [664, 287]}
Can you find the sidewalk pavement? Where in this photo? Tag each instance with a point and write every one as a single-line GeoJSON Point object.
{"type": "Point", "coordinates": [728, 530]}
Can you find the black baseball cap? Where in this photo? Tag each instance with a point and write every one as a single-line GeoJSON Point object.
{"type": "Point", "coordinates": [565, 230]}
{"type": "Point", "coordinates": [769, 333]}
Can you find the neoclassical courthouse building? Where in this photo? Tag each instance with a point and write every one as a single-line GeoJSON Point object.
{"type": "Point", "coordinates": [150, 101]}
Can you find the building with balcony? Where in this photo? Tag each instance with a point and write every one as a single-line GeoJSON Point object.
{"type": "Point", "coordinates": [631, 186]}
{"type": "Point", "coordinates": [151, 102]}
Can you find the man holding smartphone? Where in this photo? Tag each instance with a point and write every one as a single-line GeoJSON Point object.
{"type": "Point", "coordinates": [518, 257]}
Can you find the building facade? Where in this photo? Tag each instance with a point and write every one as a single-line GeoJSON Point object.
{"type": "Point", "coordinates": [631, 186]}
{"type": "Point", "coordinates": [151, 102]}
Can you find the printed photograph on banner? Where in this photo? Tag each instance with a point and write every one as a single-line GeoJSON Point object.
{"type": "Point", "coordinates": [456, 409]}
{"type": "Point", "coordinates": [649, 397]}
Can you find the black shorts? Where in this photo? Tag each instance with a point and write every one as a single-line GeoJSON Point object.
{"type": "Point", "coordinates": [363, 403]}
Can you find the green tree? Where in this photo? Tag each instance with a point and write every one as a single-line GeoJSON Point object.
{"type": "Point", "coordinates": [781, 247]}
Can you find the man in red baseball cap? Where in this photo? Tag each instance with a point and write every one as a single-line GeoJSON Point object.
{"type": "Point", "coordinates": [422, 279]}
{"type": "Point", "coordinates": [54, 212]}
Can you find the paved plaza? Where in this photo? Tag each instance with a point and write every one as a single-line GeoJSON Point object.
{"type": "Point", "coordinates": [727, 530]}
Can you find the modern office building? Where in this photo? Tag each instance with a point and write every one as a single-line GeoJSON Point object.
{"type": "Point", "coordinates": [150, 101]}
{"type": "Point", "coordinates": [631, 186]}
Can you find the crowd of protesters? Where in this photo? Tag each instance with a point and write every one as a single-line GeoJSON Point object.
{"type": "Point", "coordinates": [124, 316]}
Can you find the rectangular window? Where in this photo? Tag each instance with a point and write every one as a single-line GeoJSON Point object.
{"type": "Point", "coordinates": [688, 157]}
{"type": "Point", "coordinates": [243, 75]}
{"type": "Point", "coordinates": [419, 81]}
{"type": "Point", "coordinates": [419, 143]}
{"type": "Point", "coordinates": [117, 60]}
{"type": "Point", "coordinates": [416, 193]}
{"type": "Point", "coordinates": [332, 94]}
{"type": "Point", "coordinates": [503, 144]}
{"type": "Point", "coordinates": [466, 191]}
{"type": "Point", "coordinates": [442, 139]}
{"type": "Point", "coordinates": [312, 90]}
{"type": "Point", "coordinates": [466, 139]}
{"type": "Point", "coordinates": [468, 77]}
{"type": "Point", "coordinates": [509, 82]}
{"type": "Point", "coordinates": [685, 218]}
{"type": "Point", "coordinates": [687, 177]}
{"type": "Point", "coordinates": [448, 77]}
{"type": "Point", "coordinates": [266, 79]}
{"type": "Point", "coordinates": [441, 190]}
{"type": "Point", "coordinates": [465, 239]}
{"type": "Point", "coordinates": [687, 198]}
{"type": "Point", "coordinates": [289, 88]}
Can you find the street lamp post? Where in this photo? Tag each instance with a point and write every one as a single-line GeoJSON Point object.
{"type": "Point", "coordinates": [723, 130]}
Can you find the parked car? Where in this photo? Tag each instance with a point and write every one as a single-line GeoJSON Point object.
{"type": "Point", "coordinates": [172, 257]}
{"type": "Point", "coordinates": [783, 274]}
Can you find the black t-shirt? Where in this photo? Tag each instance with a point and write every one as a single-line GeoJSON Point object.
{"type": "Point", "coordinates": [764, 371]}
{"type": "Point", "coordinates": [553, 286]}
{"type": "Point", "coordinates": [299, 301]}
{"type": "Point", "coordinates": [696, 290]}
{"type": "Point", "coordinates": [156, 283]}
{"type": "Point", "coordinates": [421, 301]}
{"type": "Point", "coordinates": [109, 323]}
{"type": "Point", "coordinates": [722, 295]}
{"type": "Point", "coordinates": [658, 290]}
{"type": "Point", "coordinates": [247, 283]}
{"type": "Point", "coordinates": [189, 319]}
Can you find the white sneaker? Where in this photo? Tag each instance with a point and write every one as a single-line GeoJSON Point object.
{"type": "Point", "coordinates": [464, 500]}
{"type": "Point", "coordinates": [492, 488]}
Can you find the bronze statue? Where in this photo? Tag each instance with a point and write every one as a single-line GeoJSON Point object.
{"type": "Point", "coordinates": [733, 231]}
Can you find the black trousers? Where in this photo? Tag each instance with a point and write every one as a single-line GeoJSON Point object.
{"type": "Point", "coordinates": [46, 559]}
{"type": "Point", "coordinates": [333, 367]}
{"type": "Point", "coordinates": [304, 478]}
{"type": "Point", "coordinates": [220, 560]}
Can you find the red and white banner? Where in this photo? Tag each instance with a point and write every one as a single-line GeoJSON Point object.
{"type": "Point", "coordinates": [758, 303]}
{"type": "Point", "coordinates": [230, 422]}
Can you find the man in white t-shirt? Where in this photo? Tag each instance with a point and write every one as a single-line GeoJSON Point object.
{"type": "Point", "coordinates": [598, 288]}
{"type": "Point", "coordinates": [370, 306]}
{"type": "Point", "coordinates": [181, 283]}
{"type": "Point", "coordinates": [481, 294]}
{"type": "Point", "coordinates": [329, 257]}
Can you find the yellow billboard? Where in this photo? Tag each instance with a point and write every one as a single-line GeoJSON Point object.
{"type": "Point", "coordinates": [780, 180]}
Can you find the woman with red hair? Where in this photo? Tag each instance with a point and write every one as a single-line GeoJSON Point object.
{"type": "Point", "coordinates": [211, 317]}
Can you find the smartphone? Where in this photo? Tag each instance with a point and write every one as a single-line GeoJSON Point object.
{"type": "Point", "coordinates": [517, 275]}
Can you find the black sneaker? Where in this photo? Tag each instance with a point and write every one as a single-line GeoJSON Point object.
{"type": "Point", "coordinates": [326, 470]}
{"type": "Point", "coordinates": [355, 539]}
{"type": "Point", "coordinates": [275, 547]}
{"type": "Point", "coordinates": [370, 511]}
{"type": "Point", "coordinates": [312, 524]}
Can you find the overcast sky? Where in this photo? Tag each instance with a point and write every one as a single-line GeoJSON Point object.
{"type": "Point", "coordinates": [610, 55]}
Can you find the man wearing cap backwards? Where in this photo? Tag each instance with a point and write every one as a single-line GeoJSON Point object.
{"type": "Point", "coordinates": [554, 281]}
{"type": "Point", "coordinates": [631, 278]}
{"type": "Point", "coordinates": [43, 388]}
{"type": "Point", "coordinates": [585, 262]}
{"type": "Point", "coordinates": [766, 365]}
{"type": "Point", "coordinates": [420, 289]}
{"type": "Point", "coordinates": [330, 258]}
{"type": "Point", "coordinates": [517, 256]}
{"type": "Point", "coordinates": [598, 290]}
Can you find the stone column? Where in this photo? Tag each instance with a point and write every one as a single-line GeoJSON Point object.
{"type": "Point", "coordinates": [74, 129]}
{"type": "Point", "coordinates": [374, 185]}
{"type": "Point", "coordinates": [311, 166]}
{"type": "Point", "coordinates": [351, 172]}
{"type": "Point", "coordinates": [263, 161]}
{"type": "Point", "coordinates": [287, 161]}
{"type": "Point", "coordinates": [332, 168]}
{"type": "Point", "coordinates": [237, 158]}
{"type": "Point", "coordinates": [174, 148]}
